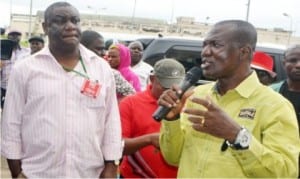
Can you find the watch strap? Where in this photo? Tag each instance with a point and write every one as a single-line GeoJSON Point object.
{"type": "Point", "coordinates": [115, 162]}
{"type": "Point", "coordinates": [236, 145]}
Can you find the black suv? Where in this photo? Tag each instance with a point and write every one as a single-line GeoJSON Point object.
{"type": "Point", "coordinates": [188, 52]}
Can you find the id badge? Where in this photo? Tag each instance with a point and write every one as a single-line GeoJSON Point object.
{"type": "Point", "coordinates": [90, 88]}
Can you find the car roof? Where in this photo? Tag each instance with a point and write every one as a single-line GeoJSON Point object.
{"type": "Point", "coordinates": [270, 48]}
{"type": "Point", "coordinates": [162, 45]}
{"type": "Point", "coordinates": [167, 42]}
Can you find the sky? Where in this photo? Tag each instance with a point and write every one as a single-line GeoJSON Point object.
{"type": "Point", "coordinates": [262, 13]}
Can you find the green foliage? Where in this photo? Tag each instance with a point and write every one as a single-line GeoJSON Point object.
{"type": "Point", "coordinates": [24, 43]}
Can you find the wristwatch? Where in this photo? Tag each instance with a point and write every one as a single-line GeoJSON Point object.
{"type": "Point", "coordinates": [115, 162]}
{"type": "Point", "coordinates": [242, 140]}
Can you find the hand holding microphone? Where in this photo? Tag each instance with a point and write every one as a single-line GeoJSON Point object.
{"type": "Point", "coordinates": [170, 104]}
{"type": "Point", "coordinates": [170, 99]}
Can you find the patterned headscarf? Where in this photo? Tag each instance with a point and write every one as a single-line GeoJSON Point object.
{"type": "Point", "coordinates": [124, 66]}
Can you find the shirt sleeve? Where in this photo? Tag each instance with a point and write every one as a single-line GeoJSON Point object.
{"type": "Point", "coordinates": [171, 141]}
{"type": "Point", "coordinates": [11, 121]}
{"type": "Point", "coordinates": [123, 87]}
{"type": "Point", "coordinates": [277, 153]}
{"type": "Point", "coordinates": [112, 145]}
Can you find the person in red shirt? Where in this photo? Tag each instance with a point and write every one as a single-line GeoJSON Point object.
{"type": "Point", "coordinates": [142, 157]}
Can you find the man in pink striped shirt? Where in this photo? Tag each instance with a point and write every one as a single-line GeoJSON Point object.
{"type": "Point", "coordinates": [61, 117]}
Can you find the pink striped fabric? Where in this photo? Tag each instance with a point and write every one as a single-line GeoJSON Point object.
{"type": "Point", "coordinates": [54, 129]}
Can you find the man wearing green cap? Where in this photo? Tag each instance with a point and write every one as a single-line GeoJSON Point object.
{"type": "Point", "coordinates": [36, 44]}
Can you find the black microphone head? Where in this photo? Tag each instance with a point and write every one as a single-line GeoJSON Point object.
{"type": "Point", "coordinates": [193, 75]}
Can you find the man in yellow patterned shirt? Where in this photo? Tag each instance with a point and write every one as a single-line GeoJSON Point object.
{"type": "Point", "coordinates": [234, 127]}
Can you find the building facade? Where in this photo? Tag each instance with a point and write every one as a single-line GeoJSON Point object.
{"type": "Point", "coordinates": [184, 27]}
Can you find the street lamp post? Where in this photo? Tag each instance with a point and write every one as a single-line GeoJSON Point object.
{"type": "Point", "coordinates": [97, 12]}
{"type": "Point", "coordinates": [291, 26]}
{"type": "Point", "coordinates": [30, 16]}
{"type": "Point", "coordinates": [133, 15]}
{"type": "Point", "coordinates": [248, 9]}
{"type": "Point", "coordinates": [10, 12]}
{"type": "Point", "coordinates": [206, 20]}
{"type": "Point", "coordinates": [172, 12]}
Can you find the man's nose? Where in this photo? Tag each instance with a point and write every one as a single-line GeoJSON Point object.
{"type": "Point", "coordinates": [206, 50]}
{"type": "Point", "coordinates": [70, 25]}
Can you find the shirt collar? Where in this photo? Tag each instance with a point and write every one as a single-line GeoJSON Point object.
{"type": "Point", "coordinates": [86, 54]}
{"type": "Point", "coordinates": [246, 87]}
{"type": "Point", "coordinates": [138, 64]}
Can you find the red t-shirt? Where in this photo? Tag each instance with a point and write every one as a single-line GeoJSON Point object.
{"type": "Point", "coordinates": [136, 119]}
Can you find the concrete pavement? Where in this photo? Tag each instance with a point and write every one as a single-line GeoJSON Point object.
{"type": "Point", "coordinates": [4, 172]}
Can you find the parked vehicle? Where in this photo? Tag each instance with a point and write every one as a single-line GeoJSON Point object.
{"type": "Point", "coordinates": [188, 52]}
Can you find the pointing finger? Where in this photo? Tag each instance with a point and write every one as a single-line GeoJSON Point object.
{"type": "Point", "coordinates": [207, 103]}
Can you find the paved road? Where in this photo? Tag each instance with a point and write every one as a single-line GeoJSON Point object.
{"type": "Point", "coordinates": [4, 169]}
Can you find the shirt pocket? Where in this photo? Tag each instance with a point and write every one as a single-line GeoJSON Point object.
{"type": "Point", "coordinates": [94, 103]}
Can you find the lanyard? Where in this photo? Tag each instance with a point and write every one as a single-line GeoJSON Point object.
{"type": "Point", "coordinates": [77, 72]}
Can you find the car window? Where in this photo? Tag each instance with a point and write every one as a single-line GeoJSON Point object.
{"type": "Point", "coordinates": [188, 53]}
{"type": "Point", "coordinates": [278, 66]}
{"type": "Point", "coordinates": [188, 56]}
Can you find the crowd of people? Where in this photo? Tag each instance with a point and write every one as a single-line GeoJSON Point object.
{"type": "Point", "coordinates": [76, 107]}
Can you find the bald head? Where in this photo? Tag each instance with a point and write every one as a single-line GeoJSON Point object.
{"type": "Point", "coordinates": [136, 44]}
{"type": "Point", "coordinates": [243, 32]}
{"type": "Point", "coordinates": [89, 36]}
{"type": "Point", "coordinates": [53, 6]}
{"type": "Point", "coordinates": [291, 48]}
{"type": "Point", "coordinates": [136, 51]}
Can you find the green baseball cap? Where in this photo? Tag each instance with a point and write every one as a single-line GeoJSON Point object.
{"type": "Point", "coordinates": [168, 72]}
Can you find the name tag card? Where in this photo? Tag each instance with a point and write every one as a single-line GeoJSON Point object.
{"type": "Point", "coordinates": [90, 88]}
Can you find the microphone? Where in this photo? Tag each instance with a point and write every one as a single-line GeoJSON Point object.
{"type": "Point", "coordinates": [191, 77]}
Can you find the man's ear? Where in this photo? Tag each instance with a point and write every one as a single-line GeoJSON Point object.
{"type": "Point", "coordinates": [151, 77]}
{"type": "Point", "coordinates": [246, 49]}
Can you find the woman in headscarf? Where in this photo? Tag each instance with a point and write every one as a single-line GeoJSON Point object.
{"type": "Point", "coordinates": [95, 42]}
{"type": "Point", "coordinates": [119, 59]}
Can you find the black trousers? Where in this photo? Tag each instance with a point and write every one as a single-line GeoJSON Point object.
{"type": "Point", "coordinates": [3, 92]}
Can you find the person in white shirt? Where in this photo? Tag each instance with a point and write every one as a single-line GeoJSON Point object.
{"type": "Point", "coordinates": [18, 53]}
{"type": "Point", "coordinates": [61, 116]}
{"type": "Point", "coordinates": [141, 68]}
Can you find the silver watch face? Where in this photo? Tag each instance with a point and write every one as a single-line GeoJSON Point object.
{"type": "Point", "coordinates": [244, 138]}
